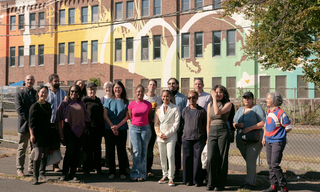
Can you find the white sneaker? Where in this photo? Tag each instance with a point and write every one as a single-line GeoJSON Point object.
{"type": "Point", "coordinates": [171, 183]}
{"type": "Point", "coordinates": [164, 179]}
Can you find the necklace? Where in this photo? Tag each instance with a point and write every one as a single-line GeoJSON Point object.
{"type": "Point", "coordinates": [43, 108]}
{"type": "Point", "coordinates": [138, 102]}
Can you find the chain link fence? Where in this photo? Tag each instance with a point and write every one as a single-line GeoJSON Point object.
{"type": "Point", "coordinates": [301, 152]}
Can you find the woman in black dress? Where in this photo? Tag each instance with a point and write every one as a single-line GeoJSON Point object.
{"type": "Point", "coordinates": [40, 133]}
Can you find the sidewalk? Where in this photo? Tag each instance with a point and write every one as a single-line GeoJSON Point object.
{"type": "Point", "coordinates": [309, 181]}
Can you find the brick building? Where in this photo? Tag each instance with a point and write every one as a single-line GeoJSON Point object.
{"type": "Point", "coordinates": [132, 41]}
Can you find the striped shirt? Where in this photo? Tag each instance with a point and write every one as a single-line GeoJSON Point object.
{"type": "Point", "coordinates": [55, 99]}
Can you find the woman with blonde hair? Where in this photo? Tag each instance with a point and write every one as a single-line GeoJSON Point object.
{"type": "Point", "coordinates": [107, 87]}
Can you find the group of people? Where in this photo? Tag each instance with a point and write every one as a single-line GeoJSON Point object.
{"type": "Point", "coordinates": [79, 119]}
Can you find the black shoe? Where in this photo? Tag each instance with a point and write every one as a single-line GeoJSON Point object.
{"type": "Point", "coordinates": [272, 188]}
{"type": "Point", "coordinates": [209, 188]}
{"type": "Point", "coordinates": [219, 188]}
{"type": "Point", "coordinates": [43, 177]}
{"type": "Point", "coordinates": [87, 173]}
{"type": "Point", "coordinates": [35, 181]}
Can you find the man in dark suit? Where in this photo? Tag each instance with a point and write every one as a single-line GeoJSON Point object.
{"type": "Point", "coordinates": [24, 98]}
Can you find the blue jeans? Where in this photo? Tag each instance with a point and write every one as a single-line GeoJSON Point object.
{"type": "Point", "coordinates": [139, 137]}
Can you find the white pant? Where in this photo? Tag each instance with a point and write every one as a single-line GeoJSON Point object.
{"type": "Point", "coordinates": [166, 149]}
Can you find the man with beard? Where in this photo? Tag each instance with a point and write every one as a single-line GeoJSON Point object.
{"type": "Point", "coordinates": [55, 97]}
{"type": "Point", "coordinates": [181, 101]}
{"type": "Point", "coordinates": [24, 98]}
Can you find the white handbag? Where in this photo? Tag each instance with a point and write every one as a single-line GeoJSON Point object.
{"type": "Point", "coordinates": [204, 157]}
{"type": "Point", "coordinates": [54, 157]}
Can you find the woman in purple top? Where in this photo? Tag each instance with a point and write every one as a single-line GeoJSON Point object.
{"type": "Point", "coordinates": [140, 112]}
{"type": "Point", "coordinates": [72, 117]}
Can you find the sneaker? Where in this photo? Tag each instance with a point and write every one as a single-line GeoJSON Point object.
{"type": "Point", "coordinates": [111, 176]}
{"type": "Point", "coordinates": [150, 174]}
{"type": "Point", "coordinates": [63, 178]}
{"type": "Point", "coordinates": [164, 179]}
{"type": "Point", "coordinates": [43, 177]}
{"type": "Point", "coordinates": [284, 189]}
{"type": "Point", "coordinates": [20, 173]}
{"type": "Point", "coordinates": [171, 183]}
{"type": "Point", "coordinates": [123, 177]}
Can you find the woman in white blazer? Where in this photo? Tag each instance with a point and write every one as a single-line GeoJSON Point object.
{"type": "Point", "coordinates": [166, 124]}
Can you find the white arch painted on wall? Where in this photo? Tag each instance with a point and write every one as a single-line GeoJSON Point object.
{"type": "Point", "coordinates": [168, 61]}
{"type": "Point", "coordinates": [106, 37]}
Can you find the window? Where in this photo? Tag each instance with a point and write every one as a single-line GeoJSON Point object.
{"type": "Point", "coordinates": [39, 83]}
{"type": "Point", "coordinates": [32, 21]}
{"type": "Point", "coordinates": [185, 85]}
{"type": "Point", "coordinates": [12, 56]}
{"type": "Point", "coordinates": [71, 53]}
{"type": "Point", "coordinates": [216, 42]}
{"type": "Point", "coordinates": [95, 14]}
{"type": "Point", "coordinates": [32, 55]}
{"type": "Point", "coordinates": [198, 3]}
{"type": "Point", "coordinates": [118, 50]}
{"type": "Point", "coordinates": [145, 48]}
{"type": "Point", "coordinates": [185, 5]}
{"type": "Point", "coordinates": [84, 15]}
{"type": "Point", "coordinates": [145, 8]}
{"type": "Point", "coordinates": [157, 7]}
{"type": "Point", "coordinates": [198, 44]}
{"type": "Point", "coordinates": [264, 86]}
{"type": "Point", "coordinates": [84, 52]}
{"type": "Point", "coordinates": [21, 56]}
{"type": "Point", "coordinates": [61, 54]}
{"type": "Point", "coordinates": [116, 80]}
{"type": "Point", "coordinates": [94, 51]}
{"type": "Point", "coordinates": [21, 22]}
{"type": "Point", "coordinates": [69, 83]}
{"type": "Point", "coordinates": [281, 85]}
{"type": "Point", "coordinates": [12, 23]}
{"type": "Point", "coordinates": [185, 45]}
{"type": "Point", "coordinates": [158, 90]}
{"type": "Point", "coordinates": [129, 49]}
{"type": "Point", "coordinates": [129, 88]}
{"type": "Point", "coordinates": [118, 15]}
{"type": "Point", "coordinates": [144, 83]}
{"type": "Point", "coordinates": [129, 9]}
{"type": "Point", "coordinates": [231, 43]}
{"type": "Point", "coordinates": [41, 20]}
{"type": "Point", "coordinates": [71, 16]}
{"type": "Point", "coordinates": [302, 87]}
{"type": "Point", "coordinates": [41, 55]}
{"type": "Point", "coordinates": [231, 86]}
{"type": "Point", "coordinates": [216, 4]}
{"type": "Point", "coordinates": [157, 47]}
{"type": "Point", "coordinates": [216, 81]}
{"type": "Point", "coordinates": [62, 17]}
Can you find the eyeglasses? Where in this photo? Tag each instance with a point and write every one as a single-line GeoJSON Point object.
{"type": "Point", "coordinates": [192, 97]}
{"type": "Point", "coordinates": [72, 91]}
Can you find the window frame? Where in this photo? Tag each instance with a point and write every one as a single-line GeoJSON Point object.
{"type": "Point", "coordinates": [60, 17]}
{"type": "Point", "coordinates": [142, 38]}
{"type": "Point", "coordinates": [32, 47]}
{"type": "Point", "coordinates": [182, 46]}
{"type": "Point", "coordinates": [82, 59]}
{"type": "Point", "coordinates": [196, 45]}
{"type": "Point", "coordinates": [235, 43]}
{"type": "Point", "coordinates": [183, 3]}
{"type": "Point", "coordinates": [39, 20]}
{"type": "Point", "coordinates": [64, 54]}
{"type": "Point", "coordinates": [69, 48]}
{"type": "Point", "coordinates": [216, 4]}
{"type": "Point", "coordinates": [92, 45]}
{"type": "Point", "coordinates": [21, 24]}
{"type": "Point", "coordinates": [13, 25]}
{"type": "Point", "coordinates": [84, 16]}
{"type": "Point", "coordinates": [142, 7]}
{"type": "Point", "coordinates": [127, 39]}
{"type": "Point", "coordinates": [195, 5]}
{"type": "Point", "coordinates": [92, 18]}
{"type": "Point", "coordinates": [19, 60]}
{"type": "Point", "coordinates": [154, 47]}
{"type": "Point", "coordinates": [12, 57]}
{"type": "Point", "coordinates": [31, 25]}
{"type": "Point", "coordinates": [69, 16]}
{"type": "Point", "coordinates": [128, 10]}
{"type": "Point", "coordinates": [118, 14]}
{"type": "Point", "coordinates": [42, 55]}
{"type": "Point", "coordinates": [214, 43]}
{"type": "Point", "coordinates": [116, 43]}
{"type": "Point", "coordinates": [154, 7]}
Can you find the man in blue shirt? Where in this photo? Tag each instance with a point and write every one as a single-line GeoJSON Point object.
{"type": "Point", "coordinates": [55, 97]}
{"type": "Point", "coordinates": [181, 101]}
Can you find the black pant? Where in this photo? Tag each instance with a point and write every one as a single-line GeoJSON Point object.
{"type": "Point", "coordinates": [177, 152]}
{"type": "Point", "coordinates": [150, 148]}
{"type": "Point", "coordinates": [218, 148]}
{"type": "Point", "coordinates": [73, 147]}
{"type": "Point", "coordinates": [274, 156]}
{"type": "Point", "coordinates": [192, 167]}
{"type": "Point", "coordinates": [92, 147]}
{"type": "Point", "coordinates": [120, 141]}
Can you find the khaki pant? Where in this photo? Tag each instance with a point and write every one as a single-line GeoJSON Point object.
{"type": "Point", "coordinates": [21, 153]}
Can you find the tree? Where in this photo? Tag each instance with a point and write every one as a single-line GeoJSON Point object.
{"type": "Point", "coordinates": [95, 80]}
{"type": "Point", "coordinates": [283, 33]}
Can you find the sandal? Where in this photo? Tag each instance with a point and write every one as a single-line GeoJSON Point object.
{"type": "Point", "coordinates": [141, 179]}
{"type": "Point", "coordinates": [134, 179]}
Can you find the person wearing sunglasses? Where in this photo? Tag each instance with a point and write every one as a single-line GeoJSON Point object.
{"type": "Point", "coordinates": [72, 117]}
{"type": "Point", "coordinates": [193, 140]}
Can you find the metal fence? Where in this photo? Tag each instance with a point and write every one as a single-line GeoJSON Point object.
{"type": "Point", "coordinates": [301, 152]}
